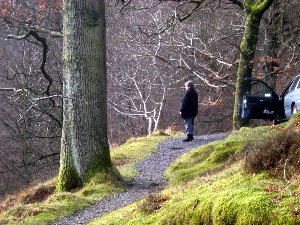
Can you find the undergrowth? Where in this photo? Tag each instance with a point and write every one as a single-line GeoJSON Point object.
{"type": "Point", "coordinates": [153, 203]}
{"type": "Point", "coordinates": [280, 155]}
{"type": "Point", "coordinates": [251, 177]}
{"type": "Point", "coordinates": [18, 209]}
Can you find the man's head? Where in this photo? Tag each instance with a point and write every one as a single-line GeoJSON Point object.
{"type": "Point", "coordinates": [189, 84]}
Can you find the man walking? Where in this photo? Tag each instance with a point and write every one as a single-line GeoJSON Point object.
{"type": "Point", "coordinates": [189, 109]}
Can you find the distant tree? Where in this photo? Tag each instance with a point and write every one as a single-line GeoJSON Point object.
{"type": "Point", "coordinates": [272, 44]}
{"type": "Point", "coordinates": [84, 144]}
{"type": "Point", "coordinates": [279, 38]}
{"type": "Point", "coordinates": [30, 92]}
{"type": "Point", "coordinates": [146, 70]}
{"type": "Point", "coordinates": [139, 85]}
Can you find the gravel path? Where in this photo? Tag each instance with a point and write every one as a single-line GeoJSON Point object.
{"type": "Point", "coordinates": [150, 179]}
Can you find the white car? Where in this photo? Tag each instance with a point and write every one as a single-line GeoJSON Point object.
{"type": "Point", "coordinates": [291, 97]}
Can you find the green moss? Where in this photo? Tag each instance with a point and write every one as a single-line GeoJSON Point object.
{"type": "Point", "coordinates": [243, 205]}
{"type": "Point", "coordinates": [287, 211]}
{"type": "Point", "coordinates": [68, 176]}
{"type": "Point", "coordinates": [214, 156]}
{"type": "Point", "coordinates": [295, 117]}
{"type": "Point", "coordinates": [100, 186]}
{"type": "Point", "coordinates": [43, 213]}
{"type": "Point", "coordinates": [228, 197]}
{"type": "Point", "coordinates": [137, 148]}
{"type": "Point", "coordinates": [198, 162]}
{"type": "Point", "coordinates": [60, 205]}
{"type": "Point", "coordinates": [203, 194]}
{"type": "Point", "coordinates": [99, 166]}
{"type": "Point", "coordinates": [68, 179]}
{"type": "Point", "coordinates": [128, 171]}
{"type": "Point", "coordinates": [208, 195]}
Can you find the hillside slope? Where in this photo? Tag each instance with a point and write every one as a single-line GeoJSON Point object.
{"type": "Point", "coordinates": [252, 177]}
{"type": "Point", "coordinates": [150, 178]}
{"type": "Point", "coordinates": [38, 204]}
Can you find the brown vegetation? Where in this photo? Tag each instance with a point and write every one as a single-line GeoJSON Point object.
{"type": "Point", "coordinates": [153, 202]}
{"type": "Point", "coordinates": [27, 196]}
{"type": "Point", "coordinates": [280, 155]}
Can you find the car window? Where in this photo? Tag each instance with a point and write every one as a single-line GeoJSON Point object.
{"type": "Point", "coordinates": [298, 85]}
{"type": "Point", "coordinates": [294, 84]}
{"type": "Point", "coordinates": [259, 89]}
{"type": "Point", "coordinates": [286, 89]}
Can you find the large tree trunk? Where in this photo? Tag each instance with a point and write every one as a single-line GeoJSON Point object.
{"type": "Point", "coordinates": [255, 11]}
{"type": "Point", "coordinates": [84, 144]}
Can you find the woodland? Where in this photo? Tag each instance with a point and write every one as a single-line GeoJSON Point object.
{"type": "Point", "coordinates": [150, 49]}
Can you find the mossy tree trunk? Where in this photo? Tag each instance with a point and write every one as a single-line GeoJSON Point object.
{"type": "Point", "coordinates": [84, 144]}
{"type": "Point", "coordinates": [254, 12]}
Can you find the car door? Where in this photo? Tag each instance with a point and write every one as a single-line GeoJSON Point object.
{"type": "Point", "coordinates": [259, 101]}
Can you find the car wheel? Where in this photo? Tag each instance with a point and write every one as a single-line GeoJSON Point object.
{"type": "Point", "coordinates": [294, 110]}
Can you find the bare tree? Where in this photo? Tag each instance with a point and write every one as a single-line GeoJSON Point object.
{"type": "Point", "coordinates": [171, 54]}
{"type": "Point", "coordinates": [30, 79]}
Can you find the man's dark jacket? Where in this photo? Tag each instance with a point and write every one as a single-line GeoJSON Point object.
{"type": "Point", "coordinates": [189, 104]}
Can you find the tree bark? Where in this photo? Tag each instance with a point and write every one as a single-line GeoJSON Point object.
{"type": "Point", "coordinates": [84, 144]}
{"type": "Point", "coordinates": [255, 11]}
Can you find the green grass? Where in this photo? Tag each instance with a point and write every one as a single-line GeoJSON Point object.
{"type": "Point", "coordinates": [58, 205]}
{"type": "Point", "coordinates": [100, 186]}
{"type": "Point", "coordinates": [214, 156]}
{"type": "Point", "coordinates": [227, 197]}
{"type": "Point", "coordinates": [209, 185]}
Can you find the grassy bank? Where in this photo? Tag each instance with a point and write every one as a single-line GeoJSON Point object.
{"type": "Point", "coordinates": [252, 177]}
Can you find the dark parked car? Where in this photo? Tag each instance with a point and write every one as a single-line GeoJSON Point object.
{"type": "Point", "coordinates": [261, 102]}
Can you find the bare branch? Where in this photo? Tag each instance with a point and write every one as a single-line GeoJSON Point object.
{"type": "Point", "coordinates": [44, 57]}
{"type": "Point", "coordinates": [52, 33]}
{"type": "Point", "coordinates": [190, 13]}
{"type": "Point", "coordinates": [238, 3]}
{"type": "Point", "coordinates": [33, 162]}
{"type": "Point", "coordinates": [9, 89]}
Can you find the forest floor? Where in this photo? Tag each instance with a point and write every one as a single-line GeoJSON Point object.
{"type": "Point", "coordinates": [150, 179]}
